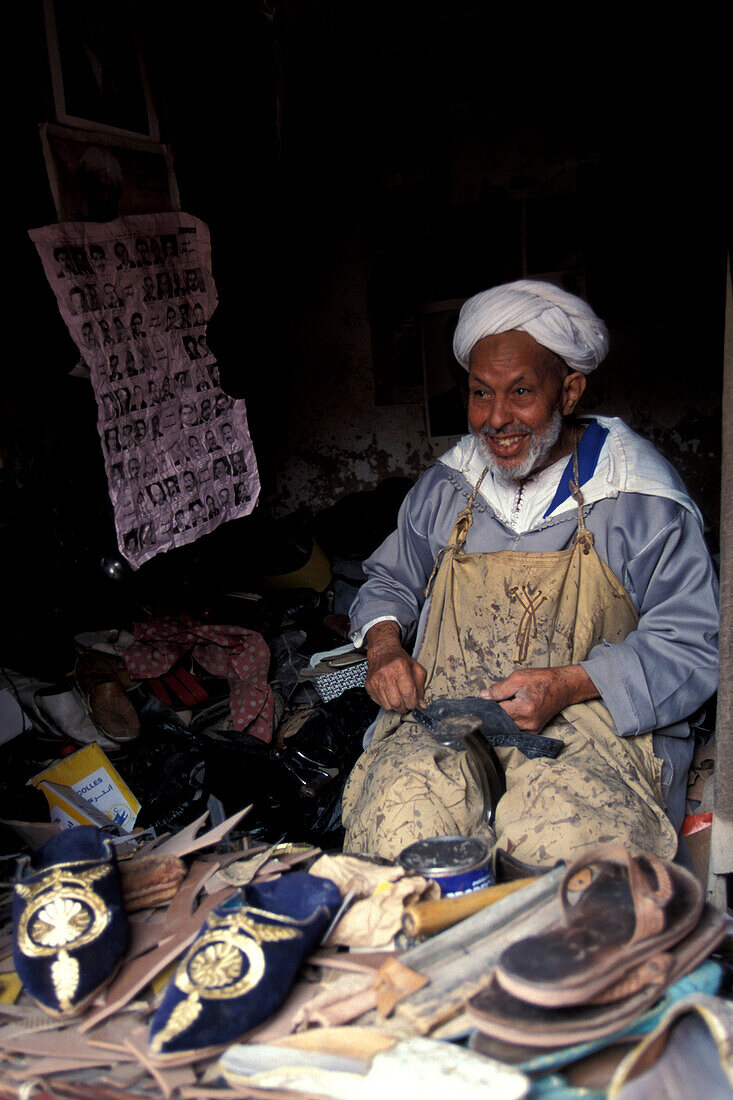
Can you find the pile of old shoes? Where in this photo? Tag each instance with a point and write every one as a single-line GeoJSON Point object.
{"type": "Point", "coordinates": [62, 712]}
{"type": "Point", "coordinates": [239, 969]}
{"type": "Point", "coordinates": [69, 921]}
{"type": "Point", "coordinates": [632, 926]}
{"type": "Point", "coordinates": [103, 682]}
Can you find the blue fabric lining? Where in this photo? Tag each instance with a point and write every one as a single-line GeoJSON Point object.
{"type": "Point", "coordinates": [589, 449]}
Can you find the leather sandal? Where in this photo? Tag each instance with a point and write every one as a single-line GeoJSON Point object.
{"type": "Point", "coordinates": [502, 1016]}
{"type": "Point", "coordinates": [617, 909]}
{"type": "Point", "coordinates": [102, 681]}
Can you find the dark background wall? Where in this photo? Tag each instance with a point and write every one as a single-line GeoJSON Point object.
{"type": "Point", "coordinates": [354, 162]}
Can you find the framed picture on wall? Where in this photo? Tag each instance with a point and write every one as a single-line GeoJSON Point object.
{"type": "Point", "coordinates": [446, 382]}
{"type": "Point", "coordinates": [98, 76]}
{"type": "Point", "coordinates": [128, 175]}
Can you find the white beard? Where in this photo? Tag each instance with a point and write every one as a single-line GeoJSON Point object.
{"type": "Point", "coordinates": [540, 445]}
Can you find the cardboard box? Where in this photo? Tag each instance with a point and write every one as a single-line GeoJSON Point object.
{"type": "Point", "coordinates": [68, 808]}
{"type": "Point", "coordinates": [90, 774]}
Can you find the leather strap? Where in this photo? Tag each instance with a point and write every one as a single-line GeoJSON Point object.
{"type": "Point", "coordinates": [650, 888]}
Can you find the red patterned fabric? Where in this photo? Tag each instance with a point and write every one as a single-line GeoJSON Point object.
{"type": "Point", "coordinates": [242, 656]}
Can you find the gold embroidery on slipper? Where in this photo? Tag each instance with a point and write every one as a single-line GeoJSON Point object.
{"type": "Point", "coordinates": [62, 913]}
{"type": "Point", "coordinates": [182, 1016]}
{"type": "Point", "coordinates": [225, 962]}
{"type": "Point", "coordinates": [65, 978]}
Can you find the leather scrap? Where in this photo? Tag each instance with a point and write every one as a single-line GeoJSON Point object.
{"type": "Point", "coordinates": [375, 918]}
{"type": "Point", "coordinates": [339, 1002]}
{"type": "Point", "coordinates": [185, 842]}
{"type": "Point", "coordinates": [393, 982]}
{"type": "Point", "coordinates": [170, 1078]}
{"type": "Point", "coordinates": [150, 881]}
{"type": "Point", "coordinates": [48, 1067]}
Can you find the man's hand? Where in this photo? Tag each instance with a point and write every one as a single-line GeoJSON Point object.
{"type": "Point", "coordinates": [533, 697]}
{"type": "Point", "coordinates": [394, 679]}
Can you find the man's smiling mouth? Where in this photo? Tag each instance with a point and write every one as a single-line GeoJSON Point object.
{"type": "Point", "coordinates": [506, 440]}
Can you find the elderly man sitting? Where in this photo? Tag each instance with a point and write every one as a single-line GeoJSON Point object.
{"type": "Point", "coordinates": [556, 565]}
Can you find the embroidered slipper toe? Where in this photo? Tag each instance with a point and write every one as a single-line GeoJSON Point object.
{"type": "Point", "coordinates": [239, 969]}
{"type": "Point", "coordinates": [69, 921]}
{"type": "Point", "coordinates": [624, 908]}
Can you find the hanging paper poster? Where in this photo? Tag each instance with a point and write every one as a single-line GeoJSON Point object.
{"type": "Point", "coordinates": [137, 294]}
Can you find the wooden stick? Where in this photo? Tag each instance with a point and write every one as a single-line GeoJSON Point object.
{"type": "Point", "coordinates": [425, 917]}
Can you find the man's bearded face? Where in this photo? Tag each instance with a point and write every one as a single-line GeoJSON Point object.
{"type": "Point", "coordinates": [516, 404]}
{"type": "Point", "coordinates": [540, 444]}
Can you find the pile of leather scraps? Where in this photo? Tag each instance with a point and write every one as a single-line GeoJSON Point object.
{"type": "Point", "coordinates": [247, 976]}
{"type": "Point", "coordinates": [171, 887]}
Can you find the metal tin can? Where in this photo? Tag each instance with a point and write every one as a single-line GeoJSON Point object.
{"type": "Point", "coordinates": [459, 864]}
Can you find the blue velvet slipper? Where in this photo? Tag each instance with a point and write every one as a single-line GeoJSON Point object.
{"type": "Point", "coordinates": [69, 920]}
{"type": "Point", "coordinates": [239, 969]}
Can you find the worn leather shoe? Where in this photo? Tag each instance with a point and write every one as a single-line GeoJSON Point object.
{"type": "Point", "coordinates": [69, 922]}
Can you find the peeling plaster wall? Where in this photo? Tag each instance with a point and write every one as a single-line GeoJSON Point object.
{"type": "Point", "coordinates": [421, 160]}
{"type": "Point", "coordinates": [671, 398]}
{"type": "Point", "coordinates": [333, 439]}
{"type": "Point", "coordinates": [330, 439]}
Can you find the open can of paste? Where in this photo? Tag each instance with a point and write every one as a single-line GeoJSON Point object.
{"type": "Point", "coordinates": [459, 864]}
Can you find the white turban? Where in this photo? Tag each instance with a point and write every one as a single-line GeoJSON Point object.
{"type": "Point", "coordinates": [559, 321]}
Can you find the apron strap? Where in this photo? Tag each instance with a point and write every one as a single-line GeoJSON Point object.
{"type": "Point", "coordinates": [459, 533]}
{"type": "Point", "coordinates": [465, 518]}
{"type": "Point", "coordinates": [583, 535]}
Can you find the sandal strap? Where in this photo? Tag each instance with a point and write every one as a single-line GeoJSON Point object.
{"type": "Point", "coordinates": [159, 691]}
{"type": "Point", "coordinates": [649, 900]}
{"type": "Point", "coordinates": [649, 892]}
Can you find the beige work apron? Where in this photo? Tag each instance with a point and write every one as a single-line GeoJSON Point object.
{"type": "Point", "coordinates": [489, 615]}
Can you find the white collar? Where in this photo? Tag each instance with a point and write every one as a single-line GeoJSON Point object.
{"type": "Point", "coordinates": [627, 463]}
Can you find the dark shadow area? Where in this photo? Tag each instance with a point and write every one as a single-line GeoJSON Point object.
{"type": "Point", "coordinates": [353, 163]}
